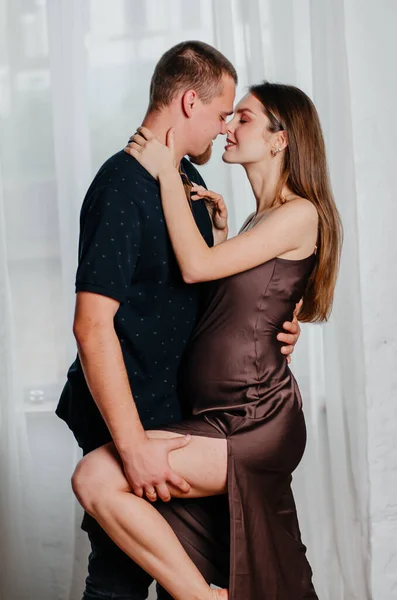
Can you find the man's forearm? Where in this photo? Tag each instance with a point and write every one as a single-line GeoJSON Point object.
{"type": "Point", "coordinates": [104, 369]}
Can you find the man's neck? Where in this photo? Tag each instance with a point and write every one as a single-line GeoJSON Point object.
{"type": "Point", "coordinates": [159, 124]}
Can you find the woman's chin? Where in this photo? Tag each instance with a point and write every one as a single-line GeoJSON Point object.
{"type": "Point", "coordinates": [227, 157]}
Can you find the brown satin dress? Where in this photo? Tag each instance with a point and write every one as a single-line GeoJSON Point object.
{"type": "Point", "coordinates": [239, 387]}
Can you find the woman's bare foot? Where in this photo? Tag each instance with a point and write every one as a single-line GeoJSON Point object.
{"type": "Point", "coordinates": [221, 594]}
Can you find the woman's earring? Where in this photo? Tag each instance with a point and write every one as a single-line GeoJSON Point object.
{"type": "Point", "coordinates": [275, 151]}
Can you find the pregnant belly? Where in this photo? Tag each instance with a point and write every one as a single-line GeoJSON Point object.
{"type": "Point", "coordinates": [220, 375]}
{"type": "Point", "coordinates": [212, 375]}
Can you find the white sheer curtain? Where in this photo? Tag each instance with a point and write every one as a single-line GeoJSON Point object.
{"type": "Point", "coordinates": [74, 78]}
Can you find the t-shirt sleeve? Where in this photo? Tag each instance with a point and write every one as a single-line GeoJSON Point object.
{"type": "Point", "coordinates": [110, 239]}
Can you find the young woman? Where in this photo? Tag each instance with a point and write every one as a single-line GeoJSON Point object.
{"type": "Point", "coordinates": [247, 427]}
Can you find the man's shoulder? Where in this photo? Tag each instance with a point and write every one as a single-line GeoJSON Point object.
{"type": "Point", "coordinates": [123, 179]}
{"type": "Point", "coordinates": [122, 169]}
{"type": "Point", "coordinates": [124, 173]}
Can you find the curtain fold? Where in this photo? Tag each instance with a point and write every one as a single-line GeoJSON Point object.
{"type": "Point", "coordinates": [18, 507]}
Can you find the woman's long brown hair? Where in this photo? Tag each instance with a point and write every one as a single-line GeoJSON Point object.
{"type": "Point", "coordinates": [305, 173]}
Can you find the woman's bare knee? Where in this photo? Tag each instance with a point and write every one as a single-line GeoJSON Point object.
{"type": "Point", "coordinates": [86, 482]}
{"type": "Point", "coordinates": [97, 474]}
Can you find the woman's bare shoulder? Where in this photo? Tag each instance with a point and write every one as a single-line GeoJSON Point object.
{"type": "Point", "coordinates": [299, 206]}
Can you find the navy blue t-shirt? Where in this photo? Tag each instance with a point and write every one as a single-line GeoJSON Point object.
{"type": "Point", "coordinates": [125, 253]}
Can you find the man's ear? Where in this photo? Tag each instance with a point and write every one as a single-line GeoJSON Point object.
{"type": "Point", "coordinates": [189, 100]}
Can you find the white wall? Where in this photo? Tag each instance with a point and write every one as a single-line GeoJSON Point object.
{"type": "Point", "coordinates": [372, 52]}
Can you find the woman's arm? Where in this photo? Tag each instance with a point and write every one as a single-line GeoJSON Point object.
{"type": "Point", "coordinates": [284, 230]}
{"type": "Point", "coordinates": [217, 210]}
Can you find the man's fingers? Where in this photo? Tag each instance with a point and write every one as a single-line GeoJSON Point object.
{"type": "Point", "coordinates": [151, 494]}
{"type": "Point", "coordinates": [296, 311]}
{"type": "Point", "coordinates": [291, 327]}
{"type": "Point", "coordinates": [138, 490]}
{"type": "Point", "coordinates": [173, 478]}
{"type": "Point", "coordinates": [287, 349]}
{"type": "Point", "coordinates": [298, 306]}
{"type": "Point", "coordinates": [287, 338]}
{"type": "Point", "coordinates": [163, 492]}
{"type": "Point", "coordinates": [178, 442]}
{"type": "Point", "coordinates": [178, 482]}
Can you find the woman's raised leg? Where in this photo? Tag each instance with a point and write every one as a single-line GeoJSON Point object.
{"type": "Point", "coordinates": [136, 526]}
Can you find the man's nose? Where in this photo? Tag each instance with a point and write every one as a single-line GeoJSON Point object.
{"type": "Point", "coordinates": [223, 128]}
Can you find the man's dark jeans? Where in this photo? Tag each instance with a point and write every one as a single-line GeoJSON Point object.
{"type": "Point", "coordinates": [112, 575]}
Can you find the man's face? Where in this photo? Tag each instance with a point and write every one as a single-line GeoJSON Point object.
{"type": "Point", "coordinates": [209, 120]}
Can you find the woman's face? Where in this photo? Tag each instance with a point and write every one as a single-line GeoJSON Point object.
{"type": "Point", "coordinates": [248, 137]}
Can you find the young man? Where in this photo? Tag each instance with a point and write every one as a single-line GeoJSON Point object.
{"type": "Point", "coordinates": [134, 314]}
